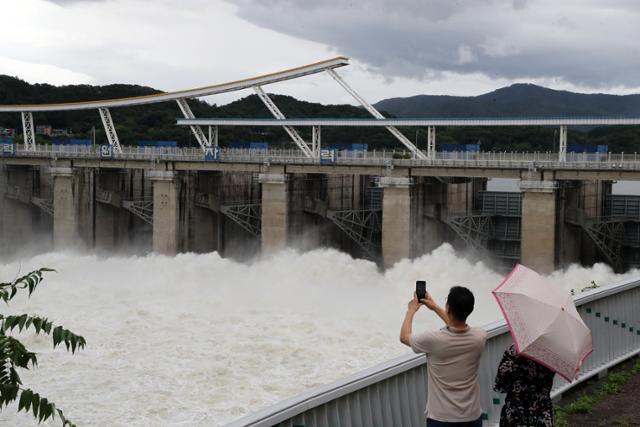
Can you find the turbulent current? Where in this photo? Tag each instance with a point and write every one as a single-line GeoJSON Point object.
{"type": "Point", "coordinates": [200, 340]}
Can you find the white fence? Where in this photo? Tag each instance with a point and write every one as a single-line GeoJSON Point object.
{"type": "Point", "coordinates": [394, 393]}
{"type": "Point", "coordinates": [622, 161]}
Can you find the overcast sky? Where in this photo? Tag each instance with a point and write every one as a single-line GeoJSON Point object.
{"type": "Point", "coordinates": [397, 47]}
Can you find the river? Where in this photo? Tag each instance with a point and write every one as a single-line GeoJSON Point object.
{"type": "Point", "coordinates": [198, 340]}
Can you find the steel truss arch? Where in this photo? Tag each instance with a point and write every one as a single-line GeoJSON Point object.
{"type": "Point", "coordinates": [45, 205]}
{"type": "Point", "coordinates": [363, 226]}
{"type": "Point", "coordinates": [273, 108]}
{"type": "Point", "coordinates": [473, 228]}
{"type": "Point", "coordinates": [606, 232]}
{"type": "Point", "coordinates": [247, 216]}
{"type": "Point", "coordinates": [195, 129]}
{"type": "Point", "coordinates": [375, 113]}
{"type": "Point", "coordinates": [110, 129]}
{"type": "Point", "coordinates": [607, 235]}
{"type": "Point", "coordinates": [142, 208]}
{"type": "Point", "coordinates": [28, 131]}
{"type": "Point", "coordinates": [283, 75]}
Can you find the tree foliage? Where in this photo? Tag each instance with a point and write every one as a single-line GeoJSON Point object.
{"type": "Point", "coordinates": [14, 355]}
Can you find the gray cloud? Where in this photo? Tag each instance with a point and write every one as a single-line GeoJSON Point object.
{"type": "Point", "coordinates": [584, 42]}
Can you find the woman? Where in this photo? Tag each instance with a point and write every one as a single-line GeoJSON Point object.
{"type": "Point", "coordinates": [527, 384]}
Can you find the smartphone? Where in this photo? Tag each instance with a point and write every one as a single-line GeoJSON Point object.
{"type": "Point", "coordinates": [421, 289]}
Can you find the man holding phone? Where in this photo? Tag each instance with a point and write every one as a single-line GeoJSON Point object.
{"type": "Point", "coordinates": [453, 358]}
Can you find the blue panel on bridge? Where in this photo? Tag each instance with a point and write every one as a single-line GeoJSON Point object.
{"type": "Point", "coordinates": [349, 147]}
{"type": "Point", "coordinates": [449, 147]}
{"type": "Point", "coordinates": [8, 147]}
{"type": "Point", "coordinates": [212, 154]}
{"type": "Point", "coordinates": [106, 152]}
{"type": "Point", "coordinates": [327, 156]}
{"type": "Point", "coordinates": [70, 141]}
{"type": "Point", "coordinates": [249, 145]}
{"type": "Point", "coordinates": [157, 144]}
{"type": "Point", "coordinates": [587, 148]}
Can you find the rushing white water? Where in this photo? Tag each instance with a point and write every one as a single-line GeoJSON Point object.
{"type": "Point", "coordinates": [200, 340]}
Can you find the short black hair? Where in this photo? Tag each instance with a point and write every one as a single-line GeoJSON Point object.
{"type": "Point", "coordinates": [460, 302]}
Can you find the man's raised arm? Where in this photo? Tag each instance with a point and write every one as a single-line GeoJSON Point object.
{"type": "Point", "coordinates": [431, 305]}
{"type": "Point", "coordinates": [412, 307]}
{"type": "Point", "coordinates": [405, 330]}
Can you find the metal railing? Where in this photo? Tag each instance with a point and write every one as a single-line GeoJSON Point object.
{"type": "Point", "coordinates": [395, 392]}
{"type": "Point", "coordinates": [389, 158]}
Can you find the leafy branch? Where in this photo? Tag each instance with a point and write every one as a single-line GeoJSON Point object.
{"type": "Point", "coordinates": [13, 354]}
{"type": "Point", "coordinates": [29, 281]}
{"type": "Point", "coordinates": [42, 324]}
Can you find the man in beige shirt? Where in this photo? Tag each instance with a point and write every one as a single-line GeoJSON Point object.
{"type": "Point", "coordinates": [453, 358]}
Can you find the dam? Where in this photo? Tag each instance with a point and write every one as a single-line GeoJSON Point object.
{"type": "Point", "coordinates": [368, 204]}
{"type": "Point", "coordinates": [399, 208]}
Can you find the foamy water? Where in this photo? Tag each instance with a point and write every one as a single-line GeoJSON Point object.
{"type": "Point", "coordinates": [198, 340]}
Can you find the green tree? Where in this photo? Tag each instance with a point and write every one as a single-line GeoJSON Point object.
{"type": "Point", "coordinates": [14, 355]}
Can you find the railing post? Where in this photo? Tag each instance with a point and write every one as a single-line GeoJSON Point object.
{"type": "Point", "coordinates": [562, 146]}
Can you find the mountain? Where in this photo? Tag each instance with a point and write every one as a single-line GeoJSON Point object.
{"type": "Point", "coordinates": [526, 100]}
{"type": "Point", "coordinates": [515, 100]}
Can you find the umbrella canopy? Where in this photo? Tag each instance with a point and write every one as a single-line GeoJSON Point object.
{"type": "Point", "coordinates": [544, 322]}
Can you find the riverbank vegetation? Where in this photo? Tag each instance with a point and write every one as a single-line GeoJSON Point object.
{"type": "Point", "coordinates": [605, 402]}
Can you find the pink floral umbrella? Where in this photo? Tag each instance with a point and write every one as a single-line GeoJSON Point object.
{"type": "Point", "coordinates": [544, 322]}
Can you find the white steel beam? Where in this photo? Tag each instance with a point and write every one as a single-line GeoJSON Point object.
{"type": "Point", "coordinates": [315, 141]}
{"type": "Point", "coordinates": [471, 121]}
{"type": "Point", "coordinates": [295, 136]}
{"type": "Point", "coordinates": [562, 149]}
{"type": "Point", "coordinates": [431, 142]}
{"type": "Point", "coordinates": [110, 130]}
{"type": "Point", "coordinates": [375, 113]}
{"type": "Point", "coordinates": [195, 129]}
{"type": "Point", "coordinates": [288, 74]}
{"type": "Point", "coordinates": [28, 131]}
{"type": "Point", "coordinates": [213, 136]}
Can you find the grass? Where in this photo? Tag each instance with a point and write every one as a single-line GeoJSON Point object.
{"type": "Point", "coordinates": [583, 405]}
{"type": "Point", "coordinates": [615, 381]}
{"type": "Point", "coordinates": [621, 421]}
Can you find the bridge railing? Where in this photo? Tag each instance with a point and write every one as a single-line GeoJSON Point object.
{"type": "Point", "coordinates": [395, 392]}
{"type": "Point", "coordinates": [128, 152]}
{"type": "Point", "coordinates": [489, 159]}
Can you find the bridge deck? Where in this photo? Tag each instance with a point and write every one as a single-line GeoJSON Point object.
{"type": "Point", "coordinates": [516, 165]}
{"type": "Point", "coordinates": [423, 122]}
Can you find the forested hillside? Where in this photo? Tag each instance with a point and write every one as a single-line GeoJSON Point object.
{"type": "Point", "coordinates": [157, 121]}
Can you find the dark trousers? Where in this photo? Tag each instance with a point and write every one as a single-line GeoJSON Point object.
{"type": "Point", "coordinates": [434, 423]}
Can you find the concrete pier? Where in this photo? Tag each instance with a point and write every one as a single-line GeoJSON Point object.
{"type": "Point", "coordinates": [396, 219]}
{"type": "Point", "coordinates": [275, 211]}
{"type": "Point", "coordinates": [538, 243]}
{"type": "Point", "coordinates": [65, 209]}
{"type": "Point", "coordinates": [165, 212]}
